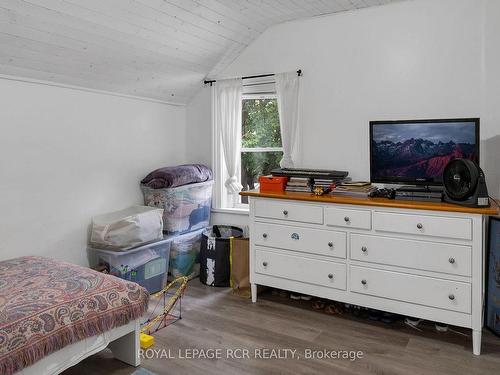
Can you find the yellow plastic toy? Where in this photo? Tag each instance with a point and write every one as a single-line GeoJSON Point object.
{"type": "Point", "coordinates": [159, 321]}
{"type": "Point", "coordinates": [147, 341]}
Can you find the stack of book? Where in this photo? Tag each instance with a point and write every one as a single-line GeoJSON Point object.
{"type": "Point", "coordinates": [325, 183]}
{"type": "Point", "coordinates": [301, 184]}
{"type": "Point", "coordinates": [354, 189]}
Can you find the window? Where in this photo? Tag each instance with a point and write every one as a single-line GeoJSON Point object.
{"type": "Point", "coordinates": [261, 149]}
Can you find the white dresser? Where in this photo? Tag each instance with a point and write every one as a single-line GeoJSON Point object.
{"type": "Point", "coordinates": [424, 260]}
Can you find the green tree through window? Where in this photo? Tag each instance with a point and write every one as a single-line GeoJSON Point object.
{"type": "Point", "coordinates": [261, 140]}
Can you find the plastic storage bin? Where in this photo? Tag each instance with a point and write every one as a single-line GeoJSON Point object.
{"type": "Point", "coordinates": [185, 254]}
{"type": "Point", "coordinates": [146, 265]}
{"type": "Point", "coordinates": [186, 208]}
{"type": "Point", "coordinates": [126, 229]}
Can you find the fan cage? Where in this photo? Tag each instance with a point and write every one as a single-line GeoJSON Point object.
{"type": "Point", "coordinates": [460, 178]}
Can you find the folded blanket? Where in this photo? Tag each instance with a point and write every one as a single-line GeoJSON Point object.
{"type": "Point", "coordinates": [170, 177]}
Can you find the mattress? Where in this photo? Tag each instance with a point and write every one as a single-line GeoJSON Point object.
{"type": "Point", "coordinates": [46, 305]}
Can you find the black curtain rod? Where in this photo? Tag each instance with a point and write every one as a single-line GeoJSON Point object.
{"type": "Point", "coordinates": [210, 82]}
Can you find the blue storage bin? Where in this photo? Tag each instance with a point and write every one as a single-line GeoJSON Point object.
{"type": "Point", "coordinates": [146, 265]}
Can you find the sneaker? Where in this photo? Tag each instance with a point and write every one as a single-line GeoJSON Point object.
{"type": "Point", "coordinates": [294, 296]}
{"type": "Point", "coordinates": [388, 318]}
{"type": "Point", "coordinates": [356, 310]}
{"type": "Point", "coordinates": [333, 309]}
{"type": "Point", "coordinates": [413, 322]}
{"type": "Point", "coordinates": [305, 297]}
{"type": "Point", "coordinates": [359, 311]}
{"type": "Point", "coordinates": [374, 314]}
{"type": "Point", "coordinates": [440, 327]}
{"type": "Point", "coordinates": [318, 305]}
{"type": "Point", "coordinates": [283, 294]}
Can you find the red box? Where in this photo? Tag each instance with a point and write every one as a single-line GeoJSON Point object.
{"type": "Point", "coordinates": [270, 183]}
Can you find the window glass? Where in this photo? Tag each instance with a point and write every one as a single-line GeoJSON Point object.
{"type": "Point", "coordinates": [261, 140]}
{"type": "Point", "coordinates": [260, 123]}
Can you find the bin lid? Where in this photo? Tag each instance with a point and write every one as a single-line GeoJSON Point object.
{"type": "Point", "coordinates": [137, 249]}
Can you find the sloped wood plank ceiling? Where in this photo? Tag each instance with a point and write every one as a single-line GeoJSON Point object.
{"type": "Point", "coordinates": [157, 49]}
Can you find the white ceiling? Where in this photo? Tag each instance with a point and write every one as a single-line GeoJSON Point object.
{"type": "Point", "coordinates": [158, 49]}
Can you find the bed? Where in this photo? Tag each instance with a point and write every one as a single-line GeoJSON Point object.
{"type": "Point", "coordinates": [54, 314]}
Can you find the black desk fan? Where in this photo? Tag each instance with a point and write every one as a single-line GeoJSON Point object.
{"type": "Point", "coordinates": [465, 184]}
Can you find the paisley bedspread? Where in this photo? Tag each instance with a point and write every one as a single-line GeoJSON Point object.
{"type": "Point", "coordinates": [47, 304]}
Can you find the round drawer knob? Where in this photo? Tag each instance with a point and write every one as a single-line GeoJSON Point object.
{"type": "Point", "coordinates": [330, 276]}
{"type": "Point", "coordinates": [451, 260]}
{"type": "Point", "coordinates": [264, 264]}
{"type": "Point", "coordinates": [264, 235]}
{"type": "Point", "coordinates": [420, 226]}
{"type": "Point", "coordinates": [451, 297]}
{"type": "Point", "coordinates": [363, 282]}
{"type": "Point", "coordinates": [285, 212]}
{"type": "Point", "coordinates": [364, 249]}
{"type": "Point", "coordinates": [330, 244]}
{"type": "Point", "coordinates": [346, 219]}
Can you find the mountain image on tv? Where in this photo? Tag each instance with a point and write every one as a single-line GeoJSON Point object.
{"type": "Point", "coordinates": [420, 150]}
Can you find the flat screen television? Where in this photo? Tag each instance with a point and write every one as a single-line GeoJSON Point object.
{"type": "Point", "coordinates": [416, 151]}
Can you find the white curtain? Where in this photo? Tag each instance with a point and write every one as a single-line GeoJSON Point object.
{"type": "Point", "coordinates": [287, 90]}
{"type": "Point", "coordinates": [228, 117]}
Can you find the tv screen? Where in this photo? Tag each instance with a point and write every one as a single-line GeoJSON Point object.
{"type": "Point", "coordinates": [417, 151]}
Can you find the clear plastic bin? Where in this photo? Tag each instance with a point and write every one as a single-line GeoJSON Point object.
{"type": "Point", "coordinates": [126, 229]}
{"type": "Point", "coordinates": [185, 254]}
{"type": "Point", "coordinates": [146, 265]}
{"type": "Point", "coordinates": [186, 208]}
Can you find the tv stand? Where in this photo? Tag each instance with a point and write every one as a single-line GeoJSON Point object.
{"type": "Point", "coordinates": [418, 259]}
{"type": "Point", "coordinates": [420, 193]}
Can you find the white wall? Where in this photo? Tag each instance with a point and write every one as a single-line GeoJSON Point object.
{"type": "Point", "coordinates": [198, 129]}
{"type": "Point", "coordinates": [66, 155]}
{"type": "Point", "coordinates": [490, 112]}
{"type": "Point", "coordinates": [408, 60]}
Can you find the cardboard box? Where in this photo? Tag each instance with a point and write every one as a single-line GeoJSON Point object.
{"type": "Point", "coordinates": [240, 267]}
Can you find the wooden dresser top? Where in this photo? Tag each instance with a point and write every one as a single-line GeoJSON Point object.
{"type": "Point", "coordinates": [377, 202]}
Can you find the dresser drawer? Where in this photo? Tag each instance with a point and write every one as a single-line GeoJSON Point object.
{"type": "Point", "coordinates": [298, 268]}
{"type": "Point", "coordinates": [316, 241]}
{"type": "Point", "coordinates": [424, 225]}
{"type": "Point", "coordinates": [422, 255]}
{"type": "Point", "coordinates": [427, 291]}
{"type": "Point", "coordinates": [348, 218]}
{"type": "Point", "coordinates": [289, 211]}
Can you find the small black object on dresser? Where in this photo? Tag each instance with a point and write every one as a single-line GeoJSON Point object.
{"type": "Point", "coordinates": [465, 184]}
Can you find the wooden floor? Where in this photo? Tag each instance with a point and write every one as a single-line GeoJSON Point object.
{"type": "Point", "coordinates": [213, 318]}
